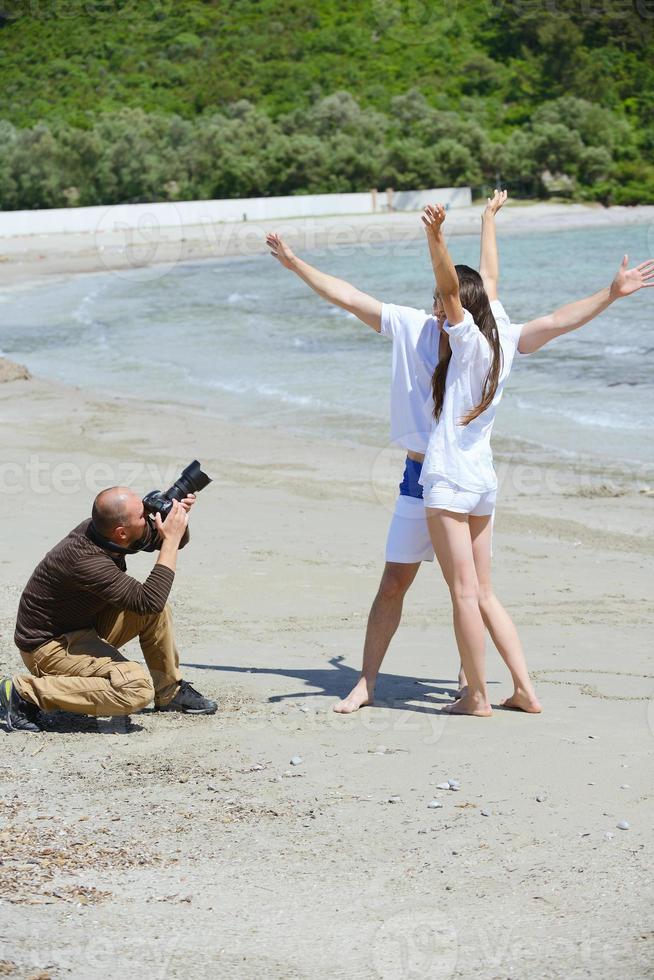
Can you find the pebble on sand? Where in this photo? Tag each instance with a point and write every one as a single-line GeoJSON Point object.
{"type": "Point", "coordinates": [435, 805]}
{"type": "Point", "coordinates": [623, 825]}
{"type": "Point", "coordinates": [454, 784]}
{"type": "Point", "coordinates": [541, 798]}
{"type": "Point", "coordinates": [485, 813]}
{"type": "Point", "coordinates": [297, 760]}
{"type": "Point", "coordinates": [394, 799]}
{"type": "Point", "coordinates": [442, 785]}
{"type": "Point", "coordinates": [608, 835]}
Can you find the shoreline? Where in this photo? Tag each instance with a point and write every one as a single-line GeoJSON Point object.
{"type": "Point", "coordinates": [26, 261]}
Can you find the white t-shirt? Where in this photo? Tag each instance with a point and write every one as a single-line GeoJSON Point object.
{"type": "Point", "coordinates": [462, 453]}
{"type": "Point", "coordinates": [416, 338]}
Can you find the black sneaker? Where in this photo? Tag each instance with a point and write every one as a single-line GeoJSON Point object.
{"type": "Point", "coordinates": [190, 702]}
{"type": "Point", "coordinates": [20, 715]}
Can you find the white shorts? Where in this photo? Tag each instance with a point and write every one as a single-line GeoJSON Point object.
{"type": "Point", "coordinates": [408, 538]}
{"type": "Point", "coordinates": [440, 494]}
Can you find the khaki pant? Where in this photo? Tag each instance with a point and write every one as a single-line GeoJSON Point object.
{"type": "Point", "coordinates": [84, 672]}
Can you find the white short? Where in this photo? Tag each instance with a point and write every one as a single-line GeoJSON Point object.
{"type": "Point", "coordinates": [408, 538]}
{"type": "Point", "coordinates": [440, 494]}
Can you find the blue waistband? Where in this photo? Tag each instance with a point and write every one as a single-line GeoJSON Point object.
{"type": "Point", "coordinates": [409, 487]}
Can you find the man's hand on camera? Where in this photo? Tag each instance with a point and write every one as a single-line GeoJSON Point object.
{"type": "Point", "coordinates": [188, 502]}
{"type": "Point", "coordinates": [173, 528]}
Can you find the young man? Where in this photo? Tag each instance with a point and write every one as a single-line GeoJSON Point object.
{"type": "Point", "coordinates": [80, 606]}
{"type": "Point", "coordinates": [415, 335]}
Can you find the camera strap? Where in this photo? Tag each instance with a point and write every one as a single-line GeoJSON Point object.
{"type": "Point", "coordinates": [108, 545]}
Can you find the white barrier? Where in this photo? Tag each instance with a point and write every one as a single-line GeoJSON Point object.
{"type": "Point", "coordinates": [189, 213]}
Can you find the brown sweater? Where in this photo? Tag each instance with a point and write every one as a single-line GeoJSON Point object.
{"type": "Point", "coordinates": [79, 578]}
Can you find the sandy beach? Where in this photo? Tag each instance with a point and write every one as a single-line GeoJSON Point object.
{"type": "Point", "coordinates": [178, 847]}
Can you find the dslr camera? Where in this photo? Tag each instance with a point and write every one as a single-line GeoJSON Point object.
{"type": "Point", "coordinates": [192, 480]}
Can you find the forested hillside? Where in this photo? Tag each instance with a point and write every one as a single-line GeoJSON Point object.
{"type": "Point", "coordinates": [125, 100]}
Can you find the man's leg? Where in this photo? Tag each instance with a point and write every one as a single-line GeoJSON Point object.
{"type": "Point", "coordinates": [383, 621]}
{"type": "Point", "coordinates": [82, 673]}
{"type": "Point", "coordinates": [157, 638]}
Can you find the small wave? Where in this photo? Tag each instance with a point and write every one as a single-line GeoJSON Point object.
{"type": "Point", "coordinates": [617, 350]}
{"type": "Point", "coordinates": [595, 421]}
{"type": "Point", "coordinates": [337, 311]}
{"type": "Point", "coordinates": [265, 391]}
{"type": "Point", "coordinates": [82, 312]}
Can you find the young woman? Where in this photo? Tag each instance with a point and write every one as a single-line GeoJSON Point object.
{"type": "Point", "coordinates": [459, 482]}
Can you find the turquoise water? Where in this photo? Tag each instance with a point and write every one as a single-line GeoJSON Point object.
{"type": "Point", "coordinates": [247, 339]}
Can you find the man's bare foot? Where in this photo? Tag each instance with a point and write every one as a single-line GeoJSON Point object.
{"type": "Point", "coordinates": [522, 700]}
{"type": "Point", "coordinates": [469, 704]}
{"type": "Point", "coordinates": [361, 695]}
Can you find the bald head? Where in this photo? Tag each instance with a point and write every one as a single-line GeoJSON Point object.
{"type": "Point", "coordinates": [114, 508]}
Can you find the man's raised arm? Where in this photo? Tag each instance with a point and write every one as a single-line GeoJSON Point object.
{"type": "Point", "coordinates": [539, 332]}
{"type": "Point", "coordinates": [489, 263]}
{"type": "Point", "coordinates": [336, 291]}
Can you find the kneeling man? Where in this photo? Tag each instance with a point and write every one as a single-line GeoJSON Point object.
{"type": "Point", "coordinates": [80, 606]}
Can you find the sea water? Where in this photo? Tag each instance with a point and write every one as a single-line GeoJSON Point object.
{"type": "Point", "coordinates": [249, 341]}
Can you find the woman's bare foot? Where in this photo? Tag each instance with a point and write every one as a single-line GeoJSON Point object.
{"type": "Point", "coordinates": [461, 693]}
{"type": "Point", "coordinates": [361, 695]}
{"type": "Point", "coordinates": [522, 700]}
{"type": "Point", "coordinates": [469, 704]}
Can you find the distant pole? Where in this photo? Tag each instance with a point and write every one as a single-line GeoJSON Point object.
{"type": "Point", "coordinates": [373, 195]}
{"type": "Point", "coordinates": [389, 198]}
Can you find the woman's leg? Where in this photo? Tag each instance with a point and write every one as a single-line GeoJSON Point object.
{"type": "Point", "coordinates": [450, 535]}
{"type": "Point", "coordinates": [498, 622]}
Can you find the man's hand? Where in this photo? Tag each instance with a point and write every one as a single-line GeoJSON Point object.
{"type": "Point", "coordinates": [433, 217]}
{"type": "Point", "coordinates": [280, 250]}
{"type": "Point", "coordinates": [495, 203]}
{"type": "Point", "coordinates": [188, 502]}
{"type": "Point", "coordinates": [172, 530]}
{"type": "Point", "coordinates": [629, 281]}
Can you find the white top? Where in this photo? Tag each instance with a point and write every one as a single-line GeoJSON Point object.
{"type": "Point", "coordinates": [462, 453]}
{"type": "Point", "coordinates": [416, 337]}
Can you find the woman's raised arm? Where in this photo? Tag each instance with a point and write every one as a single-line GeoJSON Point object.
{"type": "Point", "coordinates": [447, 281]}
{"type": "Point", "coordinates": [539, 332]}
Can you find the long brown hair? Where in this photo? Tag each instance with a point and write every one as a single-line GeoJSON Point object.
{"type": "Point", "coordinates": [474, 299]}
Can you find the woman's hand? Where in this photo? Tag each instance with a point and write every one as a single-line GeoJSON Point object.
{"type": "Point", "coordinates": [280, 250]}
{"type": "Point", "coordinates": [629, 281]}
{"type": "Point", "coordinates": [433, 217]}
{"type": "Point", "coordinates": [495, 203]}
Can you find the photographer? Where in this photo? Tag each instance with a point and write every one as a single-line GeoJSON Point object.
{"type": "Point", "coordinates": [80, 606]}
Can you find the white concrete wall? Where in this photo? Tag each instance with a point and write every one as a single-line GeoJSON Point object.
{"type": "Point", "coordinates": [188, 213]}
